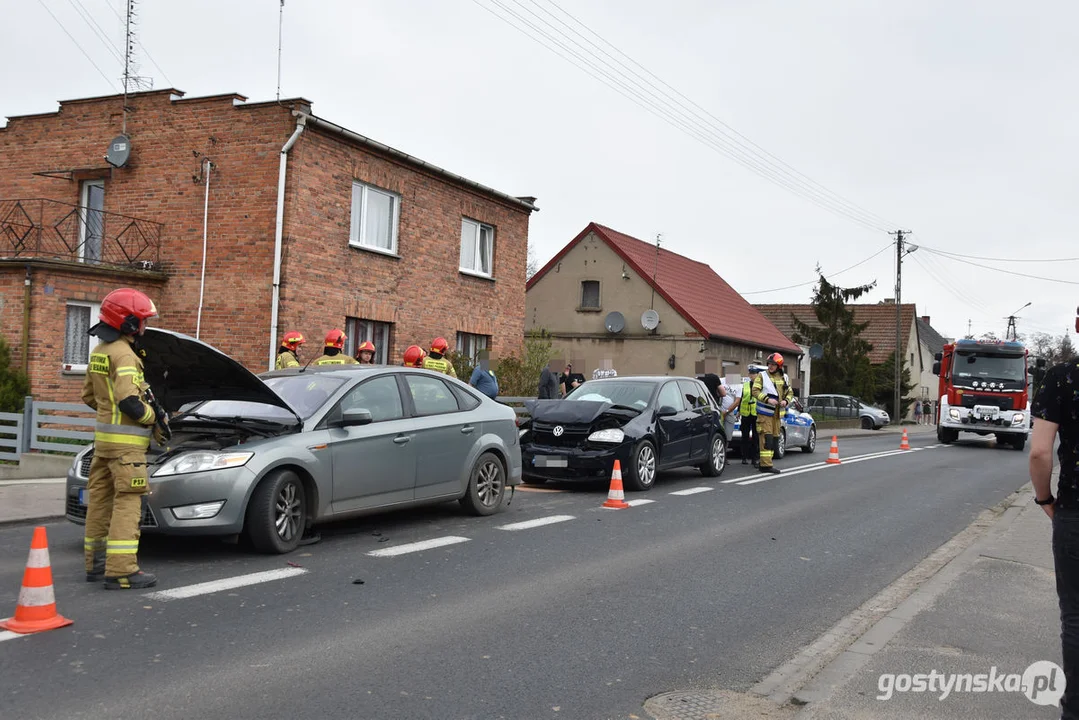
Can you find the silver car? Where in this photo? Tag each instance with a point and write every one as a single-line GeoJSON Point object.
{"type": "Point", "coordinates": [272, 455]}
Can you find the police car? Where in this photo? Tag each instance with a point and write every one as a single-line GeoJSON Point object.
{"type": "Point", "coordinates": [799, 430]}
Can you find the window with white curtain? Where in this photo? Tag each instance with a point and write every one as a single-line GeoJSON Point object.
{"type": "Point", "coordinates": [359, 331]}
{"type": "Point", "coordinates": [374, 218]}
{"type": "Point", "coordinates": [470, 345]}
{"type": "Point", "coordinates": [77, 341]}
{"type": "Point", "coordinates": [477, 247]}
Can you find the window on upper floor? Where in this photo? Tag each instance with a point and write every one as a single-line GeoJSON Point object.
{"type": "Point", "coordinates": [477, 248]}
{"type": "Point", "coordinates": [375, 214]}
{"type": "Point", "coordinates": [590, 295]}
{"type": "Point", "coordinates": [91, 220]}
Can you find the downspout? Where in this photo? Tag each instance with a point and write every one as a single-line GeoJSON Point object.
{"type": "Point", "coordinates": [26, 323]}
{"type": "Point", "coordinates": [301, 121]}
{"type": "Point", "coordinates": [205, 226]}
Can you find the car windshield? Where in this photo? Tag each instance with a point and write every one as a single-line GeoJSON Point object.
{"type": "Point", "coordinates": [617, 392]}
{"type": "Point", "coordinates": [999, 368]}
{"type": "Point", "coordinates": [304, 393]}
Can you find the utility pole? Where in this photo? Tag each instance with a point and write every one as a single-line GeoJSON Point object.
{"type": "Point", "coordinates": [1011, 333]}
{"type": "Point", "coordinates": [901, 249]}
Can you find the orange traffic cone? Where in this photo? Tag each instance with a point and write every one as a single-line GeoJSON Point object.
{"type": "Point", "coordinates": [833, 454]}
{"type": "Point", "coordinates": [904, 443]}
{"type": "Point", "coordinates": [36, 608]}
{"type": "Point", "coordinates": [616, 498]}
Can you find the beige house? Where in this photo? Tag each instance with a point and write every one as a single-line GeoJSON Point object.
{"type": "Point", "coordinates": [609, 297]}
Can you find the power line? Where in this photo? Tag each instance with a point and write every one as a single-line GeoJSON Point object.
{"type": "Point", "coordinates": [1002, 270]}
{"type": "Point", "coordinates": [72, 38]}
{"type": "Point", "coordinates": [951, 281]}
{"type": "Point", "coordinates": [814, 282]}
{"type": "Point", "coordinates": [631, 89]}
{"type": "Point", "coordinates": [946, 285]}
{"type": "Point", "coordinates": [989, 259]}
{"type": "Point", "coordinates": [96, 29]}
{"type": "Point", "coordinates": [143, 48]}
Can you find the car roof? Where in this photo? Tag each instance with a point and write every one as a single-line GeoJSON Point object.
{"type": "Point", "coordinates": [642, 378]}
{"type": "Point", "coordinates": [344, 371]}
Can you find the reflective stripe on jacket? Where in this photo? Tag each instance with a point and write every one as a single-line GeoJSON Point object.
{"type": "Point", "coordinates": [441, 365]}
{"type": "Point", "coordinates": [749, 403]}
{"type": "Point", "coordinates": [783, 392]}
{"type": "Point", "coordinates": [113, 375]}
{"type": "Point", "coordinates": [287, 359]}
{"type": "Point", "coordinates": [339, 359]}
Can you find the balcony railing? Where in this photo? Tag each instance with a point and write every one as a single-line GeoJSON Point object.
{"type": "Point", "coordinates": [41, 228]}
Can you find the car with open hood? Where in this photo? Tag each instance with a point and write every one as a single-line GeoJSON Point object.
{"type": "Point", "coordinates": [648, 424]}
{"type": "Point", "coordinates": [269, 456]}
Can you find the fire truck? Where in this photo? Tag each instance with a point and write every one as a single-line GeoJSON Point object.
{"type": "Point", "coordinates": [984, 388]}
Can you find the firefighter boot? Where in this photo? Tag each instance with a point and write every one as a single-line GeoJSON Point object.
{"type": "Point", "coordinates": [96, 573]}
{"type": "Point", "coordinates": [134, 581]}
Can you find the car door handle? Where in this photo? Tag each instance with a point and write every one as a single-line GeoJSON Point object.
{"type": "Point", "coordinates": [467, 429]}
{"type": "Point", "coordinates": [401, 439]}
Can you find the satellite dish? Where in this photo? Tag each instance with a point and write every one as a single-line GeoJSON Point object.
{"type": "Point", "coordinates": [615, 322]}
{"type": "Point", "coordinates": [816, 351]}
{"type": "Point", "coordinates": [650, 319]}
{"type": "Point", "coordinates": [119, 151]}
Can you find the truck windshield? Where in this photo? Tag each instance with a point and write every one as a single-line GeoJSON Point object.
{"type": "Point", "coordinates": [991, 368]}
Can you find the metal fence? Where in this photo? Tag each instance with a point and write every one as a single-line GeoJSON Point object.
{"type": "Point", "coordinates": [45, 427]}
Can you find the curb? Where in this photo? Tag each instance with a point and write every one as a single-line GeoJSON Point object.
{"type": "Point", "coordinates": [43, 519]}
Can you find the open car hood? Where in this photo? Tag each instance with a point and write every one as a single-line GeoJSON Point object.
{"type": "Point", "coordinates": [182, 370]}
{"type": "Point", "coordinates": [573, 412]}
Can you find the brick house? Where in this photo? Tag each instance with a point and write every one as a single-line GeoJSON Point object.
{"type": "Point", "coordinates": [359, 236]}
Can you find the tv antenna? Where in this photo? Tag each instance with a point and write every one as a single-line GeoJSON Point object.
{"type": "Point", "coordinates": [655, 270]}
{"type": "Point", "coordinates": [280, 25]}
{"type": "Point", "coordinates": [1011, 333]}
{"type": "Point", "coordinates": [133, 82]}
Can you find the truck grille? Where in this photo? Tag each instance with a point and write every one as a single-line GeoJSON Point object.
{"type": "Point", "coordinates": [1004, 402]}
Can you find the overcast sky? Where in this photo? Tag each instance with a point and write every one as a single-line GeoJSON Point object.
{"type": "Point", "coordinates": [957, 120]}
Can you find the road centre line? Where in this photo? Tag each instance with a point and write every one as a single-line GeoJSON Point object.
{"type": "Point", "coordinates": [848, 461]}
{"type": "Point", "coordinates": [231, 583]}
{"type": "Point", "coordinates": [418, 546]}
{"type": "Point", "coordinates": [538, 522]}
{"type": "Point", "coordinates": [800, 468]}
{"type": "Point", "coordinates": [692, 491]}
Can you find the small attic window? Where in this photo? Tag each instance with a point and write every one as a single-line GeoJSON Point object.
{"type": "Point", "coordinates": [590, 295]}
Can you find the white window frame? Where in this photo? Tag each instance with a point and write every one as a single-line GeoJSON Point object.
{"type": "Point", "coordinates": [357, 338]}
{"type": "Point", "coordinates": [84, 214]}
{"type": "Point", "coordinates": [470, 344]}
{"type": "Point", "coordinates": [357, 233]}
{"type": "Point", "coordinates": [470, 268]}
{"type": "Point", "coordinates": [79, 368]}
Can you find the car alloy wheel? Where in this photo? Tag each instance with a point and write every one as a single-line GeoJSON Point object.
{"type": "Point", "coordinates": [781, 445]}
{"type": "Point", "coordinates": [646, 465]}
{"type": "Point", "coordinates": [489, 483]}
{"type": "Point", "coordinates": [719, 454]}
{"type": "Point", "coordinates": [811, 444]}
{"type": "Point", "coordinates": [277, 513]}
{"type": "Point", "coordinates": [288, 510]}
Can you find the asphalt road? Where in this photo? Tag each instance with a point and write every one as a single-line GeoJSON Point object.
{"type": "Point", "coordinates": [583, 617]}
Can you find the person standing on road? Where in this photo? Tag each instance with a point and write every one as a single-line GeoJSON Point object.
{"type": "Point", "coordinates": [570, 380]}
{"type": "Point", "coordinates": [437, 359]}
{"type": "Point", "coordinates": [1057, 410]}
{"type": "Point", "coordinates": [548, 383]}
{"type": "Point", "coordinates": [334, 351]}
{"type": "Point", "coordinates": [917, 412]}
{"type": "Point", "coordinates": [483, 377]}
{"type": "Point", "coordinates": [747, 409]}
{"type": "Point", "coordinates": [288, 355]}
{"type": "Point", "coordinates": [116, 389]}
{"type": "Point", "coordinates": [773, 394]}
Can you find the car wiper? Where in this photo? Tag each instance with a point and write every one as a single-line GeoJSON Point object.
{"type": "Point", "coordinates": [236, 422]}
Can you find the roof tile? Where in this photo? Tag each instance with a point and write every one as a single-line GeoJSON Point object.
{"type": "Point", "coordinates": [881, 318]}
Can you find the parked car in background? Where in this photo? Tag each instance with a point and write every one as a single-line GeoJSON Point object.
{"type": "Point", "coordinates": [648, 424]}
{"type": "Point", "coordinates": [799, 430]}
{"type": "Point", "coordinates": [270, 455]}
{"type": "Point", "coordinates": [847, 407]}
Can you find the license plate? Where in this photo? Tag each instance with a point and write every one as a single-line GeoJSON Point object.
{"type": "Point", "coordinates": [549, 461]}
{"type": "Point", "coordinates": [82, 497]}
{"type": "Point", "coordinates": [987, 412]}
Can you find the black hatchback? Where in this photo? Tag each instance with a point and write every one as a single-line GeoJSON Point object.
{"type": "Point", "coordinates": [648, 424]}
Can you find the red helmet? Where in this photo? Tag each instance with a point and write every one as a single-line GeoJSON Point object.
{"type": "Point", "coordinates": [414, 356]}
{"type": "Point", "coordinates": [336, 339]}
{"type": "Point", "coordinates": [440, 346]}
{"type": "Point", "coordinates": [127, 310]}
{"type": "Point", "coordinates": [366, 346]}
{"type": "Point", "coordinates": [293, 339]}
{"type": "Point", "coordinates": [775, 358]}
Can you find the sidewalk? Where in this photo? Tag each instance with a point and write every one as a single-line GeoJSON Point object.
{"type": "Point", "coordinates": [31, 500]}
{"type": "Point", "coordinates": [912, 430]}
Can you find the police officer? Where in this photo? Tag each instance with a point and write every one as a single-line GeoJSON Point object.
{"type": "Point", "coordinates": [365, 353]}
{"type": "Point", "coordinates": [288, 355]}
{"type": "Point", "coordinates": [116, 389]}
{"type": "Point", "coordinates": [333, 353]}
{"type": "Point", "coordinates": [414, 356]}
{"type": "Point", "coordinates": [772, 393]}
{"type": "Point", "coordinates": [437, 360]}
{"type": "Point", "coordinates": [747, 409]}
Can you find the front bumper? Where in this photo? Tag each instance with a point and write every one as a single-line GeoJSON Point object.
{"type": "Point", "coordinates": [231, 485]}
{"type": "Point", "coordinates": [1001, 422]}
{"type": "Point", "coordinates": [572, 463]}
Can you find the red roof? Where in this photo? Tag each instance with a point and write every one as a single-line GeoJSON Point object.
{"type": "Point", "coordinates": [692, 288]}
{"type": "Point", "coordinates": [881, 318]}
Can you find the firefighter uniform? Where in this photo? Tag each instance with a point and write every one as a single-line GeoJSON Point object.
{"type": "Point", "coordinates": [118, 471]}
{"type": "Point", "coordinates": [287, 359]}
{"type": "Point", "coordinates": [440, 364]}
{"type": "Point", "coordinates": [769, 417]}
{"type": "Point", "coordinates": [338, 359]}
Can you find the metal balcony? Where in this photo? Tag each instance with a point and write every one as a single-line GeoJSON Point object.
{"type": "Point", "coordinates": [41, 228]}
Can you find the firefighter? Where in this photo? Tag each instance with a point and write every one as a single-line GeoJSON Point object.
{"type": "Point", "coordinates": [773, 393]}
{"type": "Point", "coordinates": [414, 356]}
{"type": "Point", "coordinates": [747, 409]}
{"type": "Point", "coordinates": [116, 389]}
{"type": "Point", "coordinates": [365, 354]}
{"type": "Point", "coordinates": [333, 353]}
{"type": "Point", "coordinates": [289, 353]}
{"type": "Point", "coordinates": [437, 360]}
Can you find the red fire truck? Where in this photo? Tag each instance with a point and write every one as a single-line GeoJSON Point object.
{"type": "Point", "coordinates": [984, 388]}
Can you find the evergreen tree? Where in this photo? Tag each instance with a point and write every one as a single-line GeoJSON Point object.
{"type": "Point", "coordinates": [839, 335]}
{"type": "Point", "coordinates": [885, 388]}
{"type": "Point", "coordinates": [14, 386]}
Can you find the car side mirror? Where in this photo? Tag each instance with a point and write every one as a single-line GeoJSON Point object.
{"type": "Point", "coordinates": [357, 416]}
{"type": "Point", "coordinates": [667, 411]}
{"type": "Point", "coordinates": [936, 368]}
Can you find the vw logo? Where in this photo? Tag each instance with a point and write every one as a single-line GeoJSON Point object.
{"type": "Point", "coordinates": [558, 430]}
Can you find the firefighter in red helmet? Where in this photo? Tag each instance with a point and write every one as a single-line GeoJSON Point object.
{"type": "Point", "coordinates": [773, 393]}
{"type": "Point", "coordinates": [289, 353]}
{"type": "Point", "coordinates": [365, 353]}
{"type": "Point", "coordinates": [414, 356]}
{"type": "Point", "coordinates": [333, 353]}
{"type": "Point", "coordinates": [437, 359]}
{"type": "Point", "coordinates": [116, 389]}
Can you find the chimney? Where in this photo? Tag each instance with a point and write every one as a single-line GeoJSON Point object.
{"type": "Point", "coordinates": [925, 319]}
{"type": "Point", "coordinates": [888, 301]}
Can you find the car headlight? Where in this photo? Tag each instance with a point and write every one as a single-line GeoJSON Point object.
{"type": "Point", "coordinates": [953, 413]}
{"type": "Point", "coordinates": [198, 511]}
{"type": "Point", "coordinates": [611, 435]}
{"type": "Point", "coordinates": [1018, 419]}
{"type": "Point", "coordinates": [194, 462]}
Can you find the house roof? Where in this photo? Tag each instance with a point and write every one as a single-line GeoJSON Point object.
{"type": "Point", "coordinates": [933, 339]}
{"type": "Point", "coordinates": [692, 288]}
{"type": "Point", "coordinates": [881, 319]}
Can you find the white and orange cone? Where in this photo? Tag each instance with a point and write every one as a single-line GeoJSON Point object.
{"type": "Point", "coordinates": [616, 497]}
{"type": "Point", "coordinates": [833, 454]}
{"type": "Point", "coordinates": [35, 610]}
{"type": "Point", "coordinates": [904, 444]}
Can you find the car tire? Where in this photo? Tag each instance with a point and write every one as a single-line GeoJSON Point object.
{"type": "Point", "coordinates": [643, 464]}
{"type": "Point", "coordinates": [946, 435]}
{"type": "Point", "coordinates": [717, 457]}
{"type": "Point", "coordinates": [867, 424]}
{"type": "Point", "coordinates": [781, 445]}
{"type": "Point", "coordinates": [1019, 442]}
{"type": "Point", "coordinates": [277, 513]}
{"type": "Point", "coordinates": [486, 486]}
{"type": "Point", "coordinates": [811, 443]}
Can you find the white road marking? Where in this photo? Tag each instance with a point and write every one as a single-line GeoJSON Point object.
{"type": "Point", "coordinates": [692, 491]}
{"type": "Point", "coordinates": [230, 583]}
{"type": "Point", "coordinates": [639, 501]}
{"type": "Point", "coordinates": [8, 635]}
{"type": "Point", "coordinates": [848, 461]}
{"type": "Point", "coordinates": [743, 477]}
{"type": "Point", "coordinates": [539, 522]}
{"type": "Point", "coordinates": [418, 546]}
